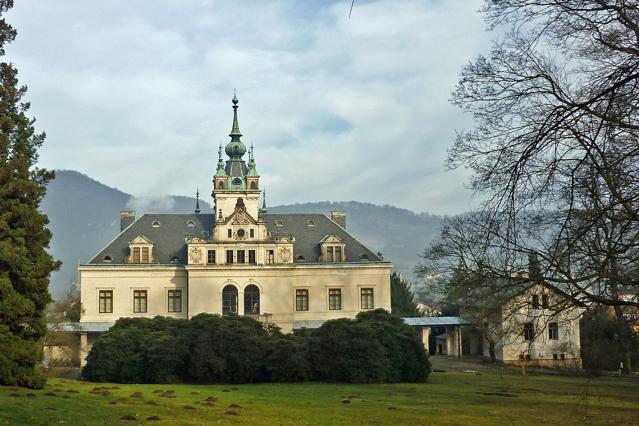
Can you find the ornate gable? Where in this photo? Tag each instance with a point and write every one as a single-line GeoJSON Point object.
{"type": "Point", "coordinates": [140, 239]}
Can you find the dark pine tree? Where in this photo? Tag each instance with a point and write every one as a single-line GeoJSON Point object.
{"type": "Point", "coordinates": [402, 298]}
{"type": "Point", "coordinates": [25, 265]}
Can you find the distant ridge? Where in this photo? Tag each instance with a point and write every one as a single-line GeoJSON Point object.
{"type": "Point", "coordinates": [84, 216]}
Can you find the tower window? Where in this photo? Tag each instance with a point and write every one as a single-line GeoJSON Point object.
{"type": "Point", "coordinates": [237, 181]}
{"type": "Point", "coordinates": [253, 185]}
{"type": "Point", "coordinates": [220, 185]}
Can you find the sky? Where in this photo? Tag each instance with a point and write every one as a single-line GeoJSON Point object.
{"type": "Point", "coordinates": [137, 94]}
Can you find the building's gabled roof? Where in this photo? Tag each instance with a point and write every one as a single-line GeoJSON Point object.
{"type": "Point", "coordinates": [309, 229]}
{"type": "Point", "coordinates": [169, 238]}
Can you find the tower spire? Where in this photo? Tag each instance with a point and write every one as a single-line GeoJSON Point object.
{"type": "Point", "coordinates": [235, 149]}
{"type": "Point", "coordinates": [197, 201]}
{"type": "Point", "coordinates": [235, 131]}
{"type": "Point", "coordinates": [264, 199]}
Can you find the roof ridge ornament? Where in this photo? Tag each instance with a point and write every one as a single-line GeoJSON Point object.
{"type": "Point", "coordinates": [197, 201]}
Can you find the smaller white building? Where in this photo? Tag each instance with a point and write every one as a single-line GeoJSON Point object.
{"type": "Point", "coordinates": [538, 325]}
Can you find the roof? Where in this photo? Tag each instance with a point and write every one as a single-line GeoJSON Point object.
{"type": "Point", "coordinates": [96, 327]}
{"type": "Point", "coordinates": [169, 238]}
{"type": "Point", "coordinates": [309, 229]}
{"type": "Point", "coordinates": [171, 232]}
{"type": "Point", "coordinates": [436, 321]}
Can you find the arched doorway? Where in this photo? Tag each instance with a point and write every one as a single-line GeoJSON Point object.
{"type": "Point", "coordinates": [251, 300]}
{"type": "Point", "coordinates": [229, 300]}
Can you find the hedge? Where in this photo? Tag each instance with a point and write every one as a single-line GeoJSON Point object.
{"type": "Point", "coordinates": [376, 347]}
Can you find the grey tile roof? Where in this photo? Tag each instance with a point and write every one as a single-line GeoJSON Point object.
{"type": "Point", "coordinates": [309, 230]}
{"type": "Point", "coordinates": [169, 239]}
{"type": "Point", "coordinates": [436, 321]}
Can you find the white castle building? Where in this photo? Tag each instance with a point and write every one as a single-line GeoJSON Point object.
{"type": "Point", "coordinates": [294, 270]}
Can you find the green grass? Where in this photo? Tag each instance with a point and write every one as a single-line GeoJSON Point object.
{"type": "Point", "coordinates": [448, 398]}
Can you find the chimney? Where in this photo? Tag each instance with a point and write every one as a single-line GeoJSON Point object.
{"type": "Point", "coordinates": [127, 217]}
{"type": "Point", "coordinates": [339, 217]}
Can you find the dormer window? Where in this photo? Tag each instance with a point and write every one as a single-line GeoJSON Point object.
{"type": "Point", "coordinates": [310, 223]}
{"type": "Point", "coordinates": [141, 250]}
{"type": "Point", "coordinates": [301, 258]}
{"type": "Point", "coordinates": [107, 258]}
{"type": "Point", "coordinates": [333, 249]}
{"type": "Point", "coordinates": [155, 224]}
{"type": "Point", "coordinates": [363, 256]}
{"type": "Point", "coordinates": [175, 261]}
{"type": "Point", "coordinates": [190, 223]}
{"type": "Point", "coordinates": [279, 223]}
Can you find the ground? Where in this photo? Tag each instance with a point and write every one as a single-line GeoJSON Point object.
{"type": "Point", "coordinates": [452, 397]}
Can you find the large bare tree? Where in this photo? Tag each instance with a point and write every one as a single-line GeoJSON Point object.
{"type": "Point", "coordinates": [554, 150]}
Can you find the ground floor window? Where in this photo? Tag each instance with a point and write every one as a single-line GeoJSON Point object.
{"type": "Point", "coordinates": [301, 300]}
{"type": "Point", "coordinates": [139, 301]}
{"type": "Point", "coordinates": [367, 298]}
{"type": "Point", "coordinates": [334, 299]}
{"type": "Point", "coordinates": [106, 301]}
{"type": "Point", "coordinates": [529, 331]}
{"type": "Point", "coordinates": [229, 300]}
{"type": "Point", "coordinates": [175, 301]}
{"type": "Point", "coordinates": [251, 300]}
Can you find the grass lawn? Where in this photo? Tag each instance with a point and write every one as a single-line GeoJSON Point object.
{"type": "Point", "coordinates": [449, 398]}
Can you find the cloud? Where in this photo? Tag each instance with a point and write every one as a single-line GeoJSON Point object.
{"type": "Point", "coordinates": [137, 94]}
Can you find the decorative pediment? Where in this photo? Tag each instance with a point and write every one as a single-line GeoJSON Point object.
{"type": "Point", "coordinates": [330, 239]}
{"type": "Point", "coordinates": [241, 217]}
{"type": "Point", "coordinates": [140, 239]}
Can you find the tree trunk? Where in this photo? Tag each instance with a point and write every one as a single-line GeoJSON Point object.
{"type": "Point", "coordinates": [491, 351]}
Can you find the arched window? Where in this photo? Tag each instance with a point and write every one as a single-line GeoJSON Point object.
{"type": "Point", "coordinates": [108, 258]}
{"type": "Point", "coordinates": [251, 300]}
{"type": "Point", "coordinates": [253, 185]}
{"type": "Point", "coordinates": [221, 185]}
{"type": "Point", "coordinates": [229, 300]}
{"type": "Point", "coordinates": [155, 224]}
{"type": "Point", "coordinates": [237, 181]}
{"type": "Point", "coordinates": [301, 258]}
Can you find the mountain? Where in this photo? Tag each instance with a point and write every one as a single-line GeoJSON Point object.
{"type": "Point", "coordinates": [84, 215]}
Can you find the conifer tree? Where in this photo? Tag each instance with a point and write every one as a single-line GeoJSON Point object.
{"type": "Point", "coordinates": [25, 265]}
{"type": "Point", "coordinates": [402, 298]}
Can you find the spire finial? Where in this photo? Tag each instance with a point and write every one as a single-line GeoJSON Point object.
{"type": "Point", "coordinates": [264, 199]}
{"type": "Point", "coordinates": [219, 151]}
{"type": "Point", "coordinates": [197, 201]}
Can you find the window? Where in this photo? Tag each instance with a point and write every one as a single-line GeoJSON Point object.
{"type": "Point", "coordinates": [553, 331]}
{"type": "Point", "coordinates": [279, 223]}
{"type": "Point", "coordinates": [190, 224]}
{"type": "Point", "coordinates": [334, 299]}
{"type": "Point", "coordinates": [529, 331]}
{"type": "Point", "coordinates": [329, 254]}
{"type": "Point", "coordinates": [252, 260]}
{"type": "Point", "coordinates": [301, 300]}
{"type": "Point", "coordinates": [270, 256]}
{"type": "Point", "coordinates": [363, 256]}
{"type": "Point", "coordinates": [240, 256]}
{"type": "Point", "coordinates": [107, 259]}
{"type": "Point", "coordinates": [155, 224]}
{"type": "Point", "coordinates": [139, 301]}
{"type": "Point", "coordinates": [229, 233]}
{"type": "Point", "coordinates": [535, 301]}
{"type": "Point", "coordinates": [562, 356]}
{"type": "Point", "coordinates": [241, 233]}
{"type": "Point", "coordinates": [136, 255]}
{"type": "Point", "coordinates": [555, 356]}
{"type": "Point", "coordinates": [220, 185]}
{"type": "Point", "coordinates": [106, 301]}
{"type": "Point", "coordinates": [301, 258]}
{"type": "Point", "coordinates": [310, 223]}
{"type": "Point", "coordinates": [367, 298]}
{"type": "Point", "coordinates": [252, 300]}
{"type": "Point", "coordinates": [229, 256]}
{"type": "Point", "coordinates": [145, 255]}
{"type": "Point", "coordinates": [253, 185]}
{"type": "Point", "coordinates": [252, 233]}
{"type": "Point", "coordinates": [338, 254]}
{"type": "Point", "coordinates": [175, 301]}
{"type": "Point", "coordinates": [544, 301]}
{"type": "Point", "coordinates": [210, 258]}
{"type": "Point", "coordinates": [237, 181]}
{"type": "Point", "coordinates": [175, 260]}
{"type": "Point", "coordinates": [229, 300]}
